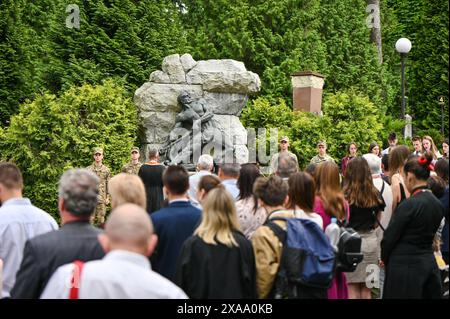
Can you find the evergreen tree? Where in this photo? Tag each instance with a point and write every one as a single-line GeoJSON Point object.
{"type": "Point", "coordinates": [116, 38]}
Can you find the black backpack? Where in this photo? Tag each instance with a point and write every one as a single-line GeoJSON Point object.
{"type": "Point", "coordinates": [349, 253]}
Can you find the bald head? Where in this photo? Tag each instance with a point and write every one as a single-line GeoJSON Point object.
{"type": "Point", "coordinates": [129, 227]}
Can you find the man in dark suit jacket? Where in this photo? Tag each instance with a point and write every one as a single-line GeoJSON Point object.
{"type": "Point", "coordinates": [175, 223]}
{"type": "Point", "coordinates": [75, 240]}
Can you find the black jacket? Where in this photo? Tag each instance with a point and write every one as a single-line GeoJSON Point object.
{"type": "Point", "coordinates": [43, 254]}
{"type": "Point", "coordinates": [208, 271]}
{"type": "Point", "coordinates": [412, 227]}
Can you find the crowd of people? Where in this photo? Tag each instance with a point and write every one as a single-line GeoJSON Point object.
{"type": "Point", "coordinates": [172, 234]}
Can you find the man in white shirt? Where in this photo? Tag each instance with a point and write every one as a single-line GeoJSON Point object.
{"type": "Point", "coordinates": [228, 174]}
{"type": "Point", "coordinates": [19, 221]}
{"type": "Point", "coordinates": [205, 165]}
{"type": "Point", "coordinates": [124, 272]}
{"type": "Point", "coordinates": [417, 144]}
{"type": "Point", "coordinates": [392, 140]}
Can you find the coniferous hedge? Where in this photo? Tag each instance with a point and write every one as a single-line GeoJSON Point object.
{"type": "Point", "coordinates": [52, 134]}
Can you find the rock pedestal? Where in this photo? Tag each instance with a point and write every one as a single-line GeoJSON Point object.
{"type": "Point", "coordinates": [223, 84]}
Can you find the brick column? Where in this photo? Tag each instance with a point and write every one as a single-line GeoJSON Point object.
{"type": "Point", "coordinates": [307, 91]}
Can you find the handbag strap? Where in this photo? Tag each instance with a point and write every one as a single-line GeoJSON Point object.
{"type": "Point", "coordinates": [75, 281]}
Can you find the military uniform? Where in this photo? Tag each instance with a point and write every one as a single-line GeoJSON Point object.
{"type": "Point", "coordinates": [320, 159]}
{"type": "Point", "coordinates": [104, 175]}
{"type": "Point", "coordinates": [131, 168]}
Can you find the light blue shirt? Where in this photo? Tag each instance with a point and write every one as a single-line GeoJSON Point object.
{"type": "Point", "coordinates": [19, 221]}
{"type": "Point", "coordinates": [231, 186]}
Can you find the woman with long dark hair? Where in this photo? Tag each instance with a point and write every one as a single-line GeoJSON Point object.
{"type": "Point", "coordinates": [406, 248]}
{"type": "Point", "coordinates": [374, 148]}
{"type": "Point", "coordinates": [366, 205]}
{"type": "Point", "coordinates": [250, 215]}
{"type": "Point", "coordinates": [301, 194]}
{"type": "Point", "coordinates": [445, 148]}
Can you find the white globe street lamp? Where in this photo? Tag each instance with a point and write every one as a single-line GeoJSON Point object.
{"type": "Point", "coordinates": [403, 46]}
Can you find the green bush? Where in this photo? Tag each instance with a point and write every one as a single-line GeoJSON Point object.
{"type": "Point", "coordinates": [52, 134]}
{"type": "Point", "coordinates": [264, 114]}
{"type": "Point", "coordinates": [347, 117]}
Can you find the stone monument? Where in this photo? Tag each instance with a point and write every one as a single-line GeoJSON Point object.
{"type": "Point", "coordinates": [200, 101]}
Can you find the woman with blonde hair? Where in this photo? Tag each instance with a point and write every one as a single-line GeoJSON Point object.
{"type": "Point", "coordinates": [127, 188]}
{"type": "Point", "coordinates": [397, 160]}
{"type": "Point", "coordinates": [430, 148]}
{"type": "Point", "coordinates": [217, 261]}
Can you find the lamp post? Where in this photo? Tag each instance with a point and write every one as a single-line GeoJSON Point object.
{"type": "Point", "coordinates": [442, 103]}
{"type": "Point", "coordinates": [403, 46]}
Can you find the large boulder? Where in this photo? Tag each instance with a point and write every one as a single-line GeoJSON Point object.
{"type": "Point", "coordinates": [159, 77]}
{"type": "Point", "coordinates": [226, 103]}
{"type": "Point", "coordinates": [232, 127]}
{"type": "Point", "coordinates": [173, 67]}
{"type": "Point", "coordinates": [155, 125]}
{"type": "Point", "coordinates": [222, 85]}
{"type": "Point", "coordinates": [156, 97]}
{"type": "Point", "coordinates": [242, 82]}
{"type": "Point", "coordinates": [188, 62]}
{"type": "Point", "coordinates": [227, 76]}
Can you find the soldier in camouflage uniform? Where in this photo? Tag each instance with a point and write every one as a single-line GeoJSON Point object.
{"type": "Point", "coordinates": [104, 175]}
{"type": "Point", "coordinates": [322, 156]}
{"type": "Point", "coordinates": [134, 165]}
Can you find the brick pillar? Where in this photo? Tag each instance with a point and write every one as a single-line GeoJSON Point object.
{"type": "Point", "coordinates": [307, 91]}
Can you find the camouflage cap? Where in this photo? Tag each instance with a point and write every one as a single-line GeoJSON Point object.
{"type": "Point", "coordinates": [134, 149]}
{"type": "Point", "coordinates": [285, 139]}
{"type": "Point", "coordinates": [98, 150]}
{"type": "Point", "coordinates": [319, 143]}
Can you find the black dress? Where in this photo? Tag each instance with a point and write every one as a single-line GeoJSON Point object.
{"type": "Point", "coordinates": [406, 248]}
{"type": "Point", "coordinates": [151, 176]}
{"type": "Point", "coordinates": [208, 271]}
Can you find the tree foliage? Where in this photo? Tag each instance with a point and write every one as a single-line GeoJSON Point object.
{"type": "Point", "coordinates": [116, 38]}
{"type": "Point", "coordinates": [425, 23]}
{"type": "Point", "coordinates": [52, 134]}
{"type": "Point", "coordinates": [347, 117]}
